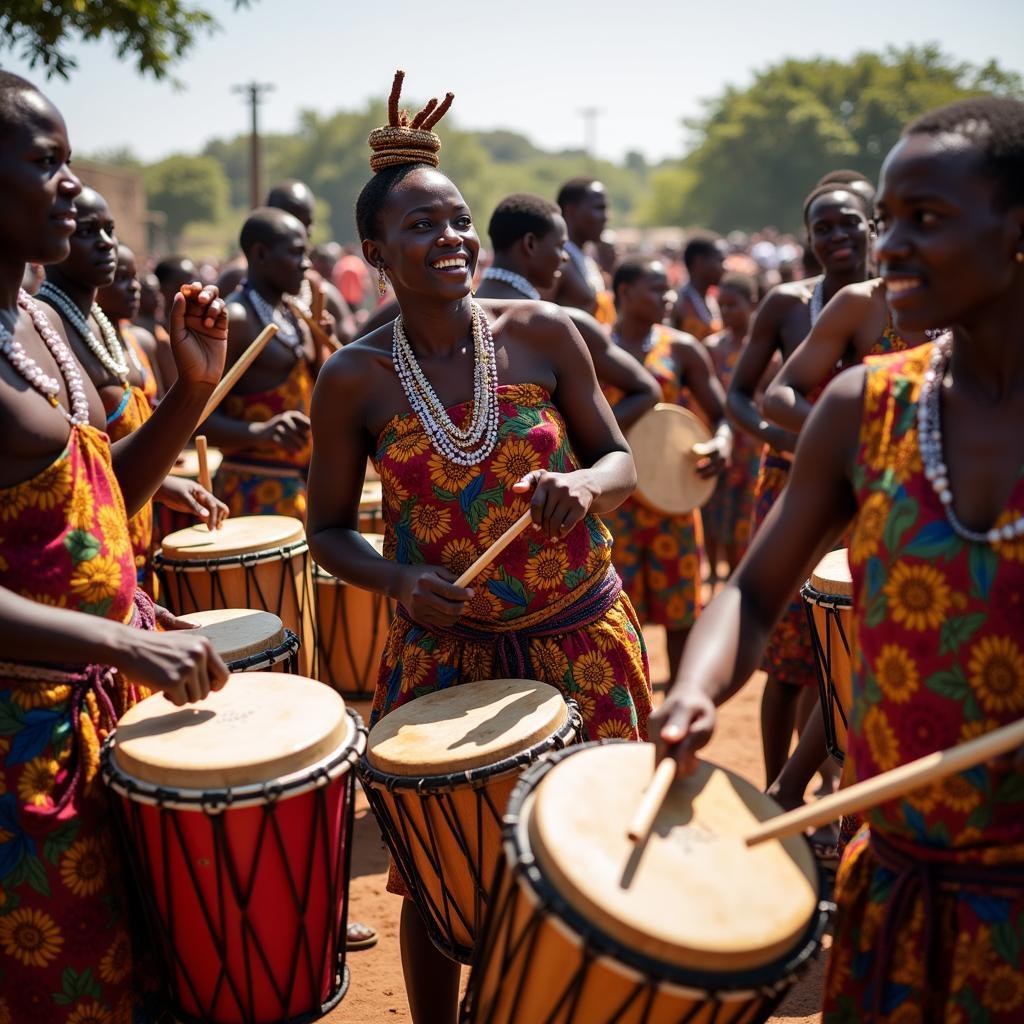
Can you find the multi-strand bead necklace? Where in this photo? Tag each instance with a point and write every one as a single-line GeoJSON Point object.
{"type": "Point", "coordinates": [471, 445]}
{"type": "Point", "coordinates": [287, 329]}
{"type": "Point", "coordinates": [34, 374]}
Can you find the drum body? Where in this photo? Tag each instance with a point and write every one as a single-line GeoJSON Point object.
{"type": "Point", "coordinates": [542, 959]}
{"type": "Point", "coordinates": [248, 641]}
{"type": "Point", "coordinates": [444, 829]}
{"type": "Point", "coordinates": [829, 597]}
{"type": "Point", "coordinates": [245, 886]}
{"type": "Point", "coordinates": [351, 632]}
{"type": "Point", "coordinates": [256, 562]}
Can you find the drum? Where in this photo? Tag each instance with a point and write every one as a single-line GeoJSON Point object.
{"type": "Point", "coordinates": [257, 562]}
{"type": "Point", "coordinates": [351, 631]}
{"type": "Point", "coordinates": [371, 507]}
{"type": "Point", "coordinates": [586, 927]}
{"type": "Point", "coordinates": [829, 597]}
{"type": "Point", "coordinates": [662, 443]}
{"type": "Point", "coordinates": [237, 815]}
{"type": "Point", "coordinates": [248, 641]}
{"type": "Point", "coordinates": [438, 772]}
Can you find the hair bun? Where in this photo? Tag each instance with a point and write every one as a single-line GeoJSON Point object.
{"type": "Point", "coordinates": [405, 140]}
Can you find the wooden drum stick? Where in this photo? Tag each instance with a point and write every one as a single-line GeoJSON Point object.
{"type": "Point", "coordinates": [318, 299]}
{"type": "Point", "coordinates": [654, 796]}
{"type": "Point", "coordinates": [495, 549]}
{"type": "Point", "coordinates": [234, 374]}
{"type": "Point", "coordinates": [892, 784]}
{"type": "Point", "coordinates": [320, 336]}
{"type": "Point", "coordinates": [204, 465]}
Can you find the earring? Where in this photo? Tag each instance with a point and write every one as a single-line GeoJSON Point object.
{"type": "Point", "coordinates": [382, 281]}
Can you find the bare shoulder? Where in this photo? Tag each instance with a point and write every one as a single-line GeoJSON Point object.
{"type": "Point", "coordinates": [533, 322]}
{"type": "Point", "coordinates": [357, 363]}
{"type": "Point", "coordinates": [144, 338]}
{"type": "Point", "coordinates": [685, 344]}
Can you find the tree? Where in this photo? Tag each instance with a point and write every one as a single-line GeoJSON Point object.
{"type": "Point", "coordinates": [156, 32]}
{"type": "Point", "coordinates": [759, 150]}
{"type": "Point", "coordinates": [186, 189]}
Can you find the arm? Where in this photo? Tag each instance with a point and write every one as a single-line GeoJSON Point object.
{"type": "Point", "coordinates": [199, 336]}
{"type": "Point", "coordinates": [785, 401]}
{"type": "Point", "coordinates": [756, 356]}
{"type": "Point", "coordinates": [618, 369]}
{"type": "Point", "coordinates": [572, 290]}
{"type": "Point", "coordinates": [698, 373]}
{"type": "Point", "coordinates": [727, 643]}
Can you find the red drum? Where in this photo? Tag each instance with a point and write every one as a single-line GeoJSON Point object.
{"type": "Point", "coordinates": [237, 813]}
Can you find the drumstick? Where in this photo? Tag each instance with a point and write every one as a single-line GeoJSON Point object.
{"type": "Point", "coordinates": [318, 300]}
{"type": "Point", "coordinates": [244, 362]}
{"type": "Point", "coordinates": [204, 465]}
{"type": "Point", "coordinates": [654, 796]}
{"type": "Point", "coordinates": [495, 549]}
{"type": "Point", "coordinates": [319, 334]}
{"type": "Point", "coordinates": [889, 785]}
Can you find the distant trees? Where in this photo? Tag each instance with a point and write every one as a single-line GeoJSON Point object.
{"type": "Point", "coordinates": [186, 189]}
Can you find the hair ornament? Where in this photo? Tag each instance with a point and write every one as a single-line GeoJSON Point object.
{"type": "Point", "coordinates": [405, 140]}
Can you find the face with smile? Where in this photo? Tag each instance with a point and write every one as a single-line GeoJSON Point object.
{"type": "Point", "coordinates": [37, 188]}
{"type": "Point", "coordinates": [427, 242]}
{"type": "Point", "coordinates": [92, 259]}
{"type": "Point", "coordinates": [946, 245]}
{"type": "Point", "coordinates": [547, 253]}
{"type": "Point", "coordinates": [120, 299]}
{"type": "Point", "coordinates": [837, 228]}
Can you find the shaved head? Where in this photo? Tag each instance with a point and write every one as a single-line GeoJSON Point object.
{"type": "Point", "coordinates": [268, 226]}
{"type": "Point", "coordinates": [296, 198]}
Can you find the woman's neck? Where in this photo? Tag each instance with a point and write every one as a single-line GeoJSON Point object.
{"type": "Point", "coordinates": [633, 328]}
{"type": "Point", "coordinates": [988, 346]}
{"type": "Point", "coordinates": [12, 273]}
{"type": "Point", "coordinates": [435, 328]}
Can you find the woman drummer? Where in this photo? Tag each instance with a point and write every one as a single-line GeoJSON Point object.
{"type": "Point", "coordinates": [931, 891]}
{"type": "Point", "coordinates": [516, 376]}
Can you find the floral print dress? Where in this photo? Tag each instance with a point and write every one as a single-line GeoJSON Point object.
{"type": "Point", "coordinates": [930, 924]}
{"type": "Point", "coordinates": [65, 950]}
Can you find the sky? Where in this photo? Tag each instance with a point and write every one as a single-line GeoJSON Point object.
{"type": "Point", "coordinates": [532, 66]}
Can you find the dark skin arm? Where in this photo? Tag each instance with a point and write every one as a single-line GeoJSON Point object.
{"type": "Point", "coordinates": [728, 642]}
{"type": "Point", "coordinates": [572, 290]}
{"type": "Point", "coordinates": [618, 369]}
{"type": "Point", "coordinates": [756, 356]}
{"type": "Point", "coordinates": [698, 373]}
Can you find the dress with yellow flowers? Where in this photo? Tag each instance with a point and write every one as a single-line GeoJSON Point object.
{"type": "Point", "coordinates": [931, 891]}
{"type": "Point", "coordinates": [65, 951]}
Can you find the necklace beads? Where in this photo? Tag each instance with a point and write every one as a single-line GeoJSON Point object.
{"type": "Point", "coordinates": [513, 280]}
{"type": "Point", "coordinates": [287, 330]}
{"type": "Point", "coordinates": [109, 351]}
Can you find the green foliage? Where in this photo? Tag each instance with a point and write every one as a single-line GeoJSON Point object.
{"type": "Point", "coordinates": [186, 189]}
{"type": "Point", "coordinates": [156, 33]}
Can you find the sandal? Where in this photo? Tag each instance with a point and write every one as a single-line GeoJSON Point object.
{"type": "Point", "coordinates": [360, 936]}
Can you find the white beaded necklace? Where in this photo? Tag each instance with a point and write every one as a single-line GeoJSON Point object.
{"type": "Point", "coordinates": [929, 439]}
{"type": "Point", "coordinates": [817, 301]}
{"type": "Point", "coordinates": [287, 330]}
{"type": "Point", "coordinates": [471, 445]}
{"type": "Point", "coordinates": [699, 303]}
{"type": "Point", "coordinates": [34, 374]}
{"type": "Point", "coordinates": [513, 280]}
{"type": "Point", "coordinates": [110, 352]}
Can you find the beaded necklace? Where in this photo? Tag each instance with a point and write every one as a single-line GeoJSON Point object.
{"type": "Point", "coordinates": [929, 439]}
{"type": "Point", "coordinates": [287, 328]}
{"type": "Point", "coordinates": [471, 445]}
{"type": "Point", "coordinates": [513, 280]}
{"type": "Point", "coordinates": [34, 374]}
{"type": "Point", "coordinates": [817, 303]}
{"type": "Point", "coordinates": [699, 303]}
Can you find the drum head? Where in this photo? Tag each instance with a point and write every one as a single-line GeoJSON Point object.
{"type": "Point", "coordinates": [241, 536]}
{"type": "Point", "coordinates": [260, 727]}
{"type": "Point", "coordinates": [465, 727]}
{"type": "Point", "coordinates": [322, 576]}
{"type": "Point", "coordinates": [667, 479]}
{"type": "Point", "coordinates": [372, 495]}
{"type": "Point", "coordinates": [187, 464]}
{"type": "Point", "coordinates": [832, 574]}
{"type": "Point", "coordinates": [694, 895]}
{"type": "Point", "coordinates": [238, 632]}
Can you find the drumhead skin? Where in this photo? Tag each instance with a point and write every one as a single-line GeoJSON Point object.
{"type": "Point", "coordinates": [324, 577]}
{"type": "Point", "coordinates": [832, 574]}
{"type": "Point", "coordinates": [188, 463]}
{"type": "Point", "coordinates": [467, 726]}
{"type": "Point", "coordinates": [694, 895]}
{"type": "Point", "coordinates": [241, 536]}
{"type": "Point", "coordinates": [238, 632]}
{"type": "Point", "coordinates": [661, 442]}
{"type": "Point", "coordinates": [261, 726]}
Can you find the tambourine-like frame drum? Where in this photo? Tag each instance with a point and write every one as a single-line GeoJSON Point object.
{"type": "Point", "coordinates": [444, 832]}
{"type": "Point", "coordinates": [539, 961]}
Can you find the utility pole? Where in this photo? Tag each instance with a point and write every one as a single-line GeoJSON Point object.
{"type": "Point", "coordinates": [254, 91]}
{"type": "Point", "coordinates": [590, 116]}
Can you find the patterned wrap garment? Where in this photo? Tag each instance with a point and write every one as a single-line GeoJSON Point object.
{"type": "Point", "coordinates": [65, 950]}
{"type": "Point", "coordinates": [789, 657]}
{"type": "Point", "coordinates": [149, 387]}
{"type": "Point", "coordinates": [693, 321]}
{"type": "Point", "coordinates": [261, 481]}
{"type": "Point", "coordinates": [657, 555]}
{"type": "Point", "coordinates": [131, 412]}
{"type": "Point", "coordinates": [931, 893]}
{"type": "Point", "coordinates": [728, 516]}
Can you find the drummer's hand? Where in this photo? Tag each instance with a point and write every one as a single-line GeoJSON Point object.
{"type": "Point", "coordinates": [713, 457]}
{"type": "Point", "coordinates": [560, 500]}
{"type": "Point", "coordinates": [428, 594]}
{"type": "Point", "coordinates": [288, 430]}
{"type": "Point", "coordinates": [199, 333]}
{"type": "Point", "coordinates": [681, 726]}
{"type": "Point", "coordinates": [167, 620]}
{"type": "Point", "coordinates": [183, 495]}
{"type": "Point", "coordinates": [181, 663]}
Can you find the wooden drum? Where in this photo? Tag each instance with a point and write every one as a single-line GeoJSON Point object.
{"type": "Point", "coordinates": [438, 772]}
{"type": "Point", "coordinates": [585, 927]}
{"type": "Point", "coordinates": [351, 631]}
{"type": "Point", "coordinates": [248, 641]}
{"type": "Point", "coordinates": [237, 812]}
{"type": "Point", "coordinates": [256, 562]}
{"type": "Point", "coordinates": [829, 597]}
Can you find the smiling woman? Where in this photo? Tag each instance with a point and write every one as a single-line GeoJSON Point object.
{"type": "Point", "coordinates": [473, 412]}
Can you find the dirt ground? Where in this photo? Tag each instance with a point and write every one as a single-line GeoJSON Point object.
{"type": "Point", "coordinates": [377, 992]}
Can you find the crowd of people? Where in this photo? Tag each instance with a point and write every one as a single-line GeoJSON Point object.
{"type": "Point", "coordinates": [859, 389]}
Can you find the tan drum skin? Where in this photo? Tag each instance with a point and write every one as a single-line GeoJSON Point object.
{"type": "Point", "coordinates": [832, 576]}
{"type": "Point", "coordinates": [238, 633]}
